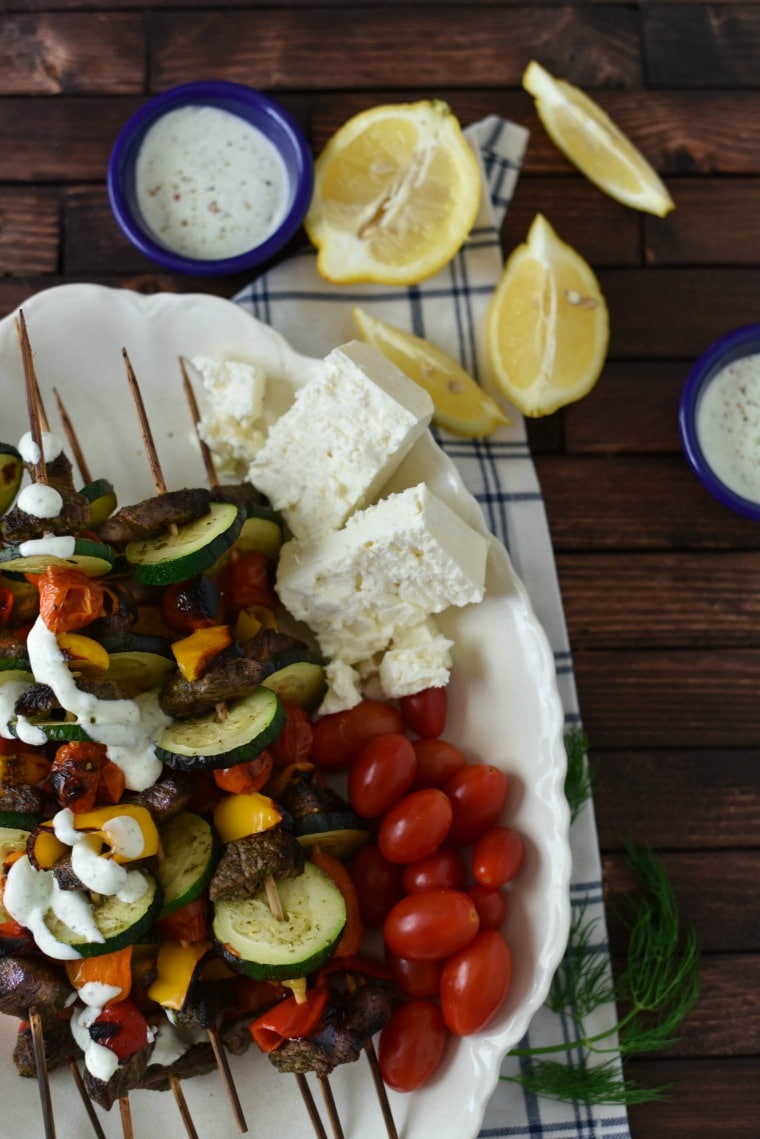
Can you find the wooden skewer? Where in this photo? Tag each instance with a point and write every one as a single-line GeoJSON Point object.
{"type": "Point", "coordinates": [71, 436]}
{"type": "Point", "coordinates": [43, 1080]}
{"type": "Point", "coordinates": [377, 1079]}
{"type": "Point", "coordinates": [126, 1117]}
{"type": "Point", "coordinates": [184, 1111]}
{"type": "Point", "coordinates": [223, 1065]}
{"type": "Point", "coordinates": [32, 396]}
{"type": "Point", "coordinates": [311, 1107]}
{"type": "Point", "coordinates": [208, 461]}
{"type": "Point", "coordinates": [147, 434]}
{"type": "Point", "coordinates": [76, 1076]}
{"type": "Point", "coordinates": [332, 1110]}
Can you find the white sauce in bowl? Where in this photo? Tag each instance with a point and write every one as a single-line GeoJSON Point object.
{"type": "Point", "coordinates": [728, 426]}
{"type": "Point", "coordinates": [209, 184]}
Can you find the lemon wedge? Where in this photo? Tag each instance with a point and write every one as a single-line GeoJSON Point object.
{"type": "Point", "coordinates": [547, 324]}
{"type": "Point", "coordinates": [461, 405]}
{"type": "Point", "coordinates": [587, 136]}
{"type": "Point", "coordinates": [396, 191]}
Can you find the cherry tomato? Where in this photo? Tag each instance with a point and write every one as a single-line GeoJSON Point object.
{"type": "Point", "coordinates": [338, 736]}
{"type": "Point", "coordinates": [190, 922]}
{"type": "Point", "coordinates": [246, 580]}
{"type": "Point", "coordinates": [192, 604]}
{"type": "Point", "coordinates": [415, 826]}
{"type": "Point", "coordinates": [377, 882]}
{"type": "Point", "coordinates": [477, 793]}
{"type": "Point", "coordinates": [474, 983]}
{"type": "Point", "coordinates": [425, 712]}
{"type": "Point", "coordinates": [437, 761]}
{"type": "Point", "coordinates": [293, 745]}
{"type": "Point", "coordinates": [411, 1045]}
{"type": "Point", "coordinates": [431, 925]}
{"type": "Point", "coordinates": [491, 905]}
{"type": "Point", "coordinates": [382, 771]}
{"type": "Point", "coordinates": [498, 856]}
{"type": "Point", "coordinates": [415, 978]}
{"type": "Point", "coordinates": [244, 778]}
{"type": "Point", "coordinates": [444, 868]}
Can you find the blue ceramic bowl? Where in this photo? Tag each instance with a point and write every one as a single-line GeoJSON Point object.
{"type": "Point", "coordinates": [257, 109]}
{"type": "Point", "coordinates": [742, 342]}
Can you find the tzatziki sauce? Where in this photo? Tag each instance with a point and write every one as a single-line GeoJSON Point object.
{"type": "Point", "coordinates": [209, 184]}
{"type": "Point", "coordinates": [728, 426]}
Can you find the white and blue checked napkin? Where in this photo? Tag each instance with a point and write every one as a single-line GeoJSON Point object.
{"type": "Point", "coordinates": [450, 309]}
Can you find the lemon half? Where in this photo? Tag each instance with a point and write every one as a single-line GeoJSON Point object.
{"type": "Point", "coordinates": [587, 136]}
{"type": "Point", "coordinates": [460, 403]}
{"type": "Point", "coordinates": [547, 324]}
{"type": "Point", "coordinates": [396, 191]}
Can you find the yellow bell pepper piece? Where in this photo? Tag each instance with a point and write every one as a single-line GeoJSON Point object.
{"type": "Point", "coordinates": [176, 966]}
{"type": "Point", "coordinates": [195, 653]}
{"type": "Point", "coordinates": [44, 848]}
{"type": "Point", "coordinates": [236, 816]}
{"type": "Point", "coordinates": [252, 620]}
{"type": "Point", "coordinates": [83, 654]}
{"type": "Point", "coordinates": [121, 837]}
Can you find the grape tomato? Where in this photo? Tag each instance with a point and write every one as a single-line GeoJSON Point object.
{"type": "Point", "coordinates": [491, 904]}
{"type": "Point", "coordinates": [444, 868]}
{"type": "Point", "coordinates": [415, 978]}
{"type": "Point", "coordinates": [474, 982]}
{"type": "Point", "coordinates": [437, 761]}
{"type": "Point", "coordinates": [425, 712]}
{"type": "Point", "coordinates": [411, 1045]}
{"type": "Point", "coordinates": [378, 884]}
{"type": "Point", "coordinates": [339, 735]}
{"type": "Point", "coordinates": [498, 856]}
{"type": "Point", "coordinates": [431, 925]}
{"type": "Point", "coordinates": [477, 793]}
{"type": "Point", "coordinates": [382, 771]}
{"type": "Point", "coordinates": [415, 826]}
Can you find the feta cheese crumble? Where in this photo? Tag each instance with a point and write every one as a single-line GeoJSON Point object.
{"type": "Point", "coordinates": [232, 426]}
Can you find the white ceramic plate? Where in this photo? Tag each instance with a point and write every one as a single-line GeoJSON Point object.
{"type": "Point", "coordinates": [504, 705]}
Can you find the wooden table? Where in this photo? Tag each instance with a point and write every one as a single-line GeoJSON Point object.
{"type": "Point", "coordinates": [660, 583]}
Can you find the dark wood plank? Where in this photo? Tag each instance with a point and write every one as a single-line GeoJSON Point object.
{"type": "Point", "coordinates": [694, 46]}
{"type": "Point", "coordinates": [715, 222]}
{"type": "Point", "coordinates": [281, 49]}
{"type": "Point", "coordinates": [72, 52]}
{"type": "Point", "coordinates": [626, 502]}
{"type": "Point", "coordinates": [29, 230]}
{"type": "Point", "coordinates": [671, 600]}
{"type": "Point", "coordinates": [711, 889]}
{"type": "Point", "coordinates": [700, 798]}
{"type": "Point", "coordinates": [664, 698]}
{"type": "Point", "coordinates": [633, 408]}
{"type": "Point", "coordinates": [706, 1099]}
{"type": "Point", "coordinates": [568, 204]}
{"type": "Point", "coordinates": [70, 142]}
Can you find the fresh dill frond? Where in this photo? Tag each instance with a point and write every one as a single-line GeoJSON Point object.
{"type": "Point", "coordinates": [601, 1084]}
{"type": "Point", "coordinates": [657, 987]}
{"type": "Point", "coordinates": [578, 780]}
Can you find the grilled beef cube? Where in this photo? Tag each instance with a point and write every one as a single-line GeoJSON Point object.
{"type": "Point", "coordinates": [240, 494]}
{"type": "Point", "coordinates": [267, 643]}
{"type": "Point", "coordinates": [349, 1021]}
{"type": "Point", "coordinates": [38, 701]}
{"type": "Point", "coordinates": [27, 983]}
{"type": "Point", "coordinates": [21, 799]}
{"type": "Point", "coordinates": [59, 1046]}
{"type": "Point", "coordinates": [247, 862]}
{"type": "Point", "coordinates": [205, 1007]}
{"type": "Point", "coordinates": [303, 796]}
{"type": "Point", "coordinates": [170, 795]}
{"type": "Point", "coordinates": [226, 680]}
{"type": "Point", "coordinates": [196, 1061]}
{"type": "Point", "coordinates": [127, 1076]}
{"type": "Point", "coordinates": [155, 515]}
{"type": "Point", "coordinates": [11, 648]}
{"type": "Point", "coordinates": [18, 526]}
{"type": "Point", "coordinates": [236, 1036]}
{"type": "Point", "coordinates": [63, 872]}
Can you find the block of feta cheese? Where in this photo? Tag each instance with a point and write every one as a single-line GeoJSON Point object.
{"type": "Point", "coordinates": [342, 438]}
{"type": "Point", "coordinates": [231, 425]}
{"type": "Point", "coordinates": [390, 567]}
{"type": "Point", "coordinates": [418, 657]}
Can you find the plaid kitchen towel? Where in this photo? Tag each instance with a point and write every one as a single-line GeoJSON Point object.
{"type": "Point", "coordinates": [450, 309]}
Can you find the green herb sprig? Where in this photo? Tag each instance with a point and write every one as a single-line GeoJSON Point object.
{"type": "Point", "coordinates": [657, 987]}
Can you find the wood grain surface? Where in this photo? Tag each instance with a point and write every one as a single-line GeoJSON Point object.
{"type": "Point", "coordinates": [660, 583]}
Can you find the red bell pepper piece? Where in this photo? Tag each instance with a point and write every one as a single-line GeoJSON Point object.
{"type": "Point", "coordinates": [122, 1028]}
{"type": "Point", "coordinates": [289, 1020]}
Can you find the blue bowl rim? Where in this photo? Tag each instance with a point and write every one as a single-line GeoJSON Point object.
{"type": "Point", "coordinates": [744, 341]}
{"type": "Point", "coordinates": [220, 93]}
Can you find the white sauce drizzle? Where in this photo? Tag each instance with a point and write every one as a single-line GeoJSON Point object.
{"type": "Point", "coordinates": [28, 896]}
{"type": "Point", "coordinates": [49, 545]}
{"type": "Point", "coordinates": [40, 500]}
{"type": "Point", "coordinates": [52, 445]}
{"type": "Point", "coordinates": [209, 184]}
{"type": "Point", "coordinates": [171, 1043]}
{"type": "Point", "coordinates": [10, 690]}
